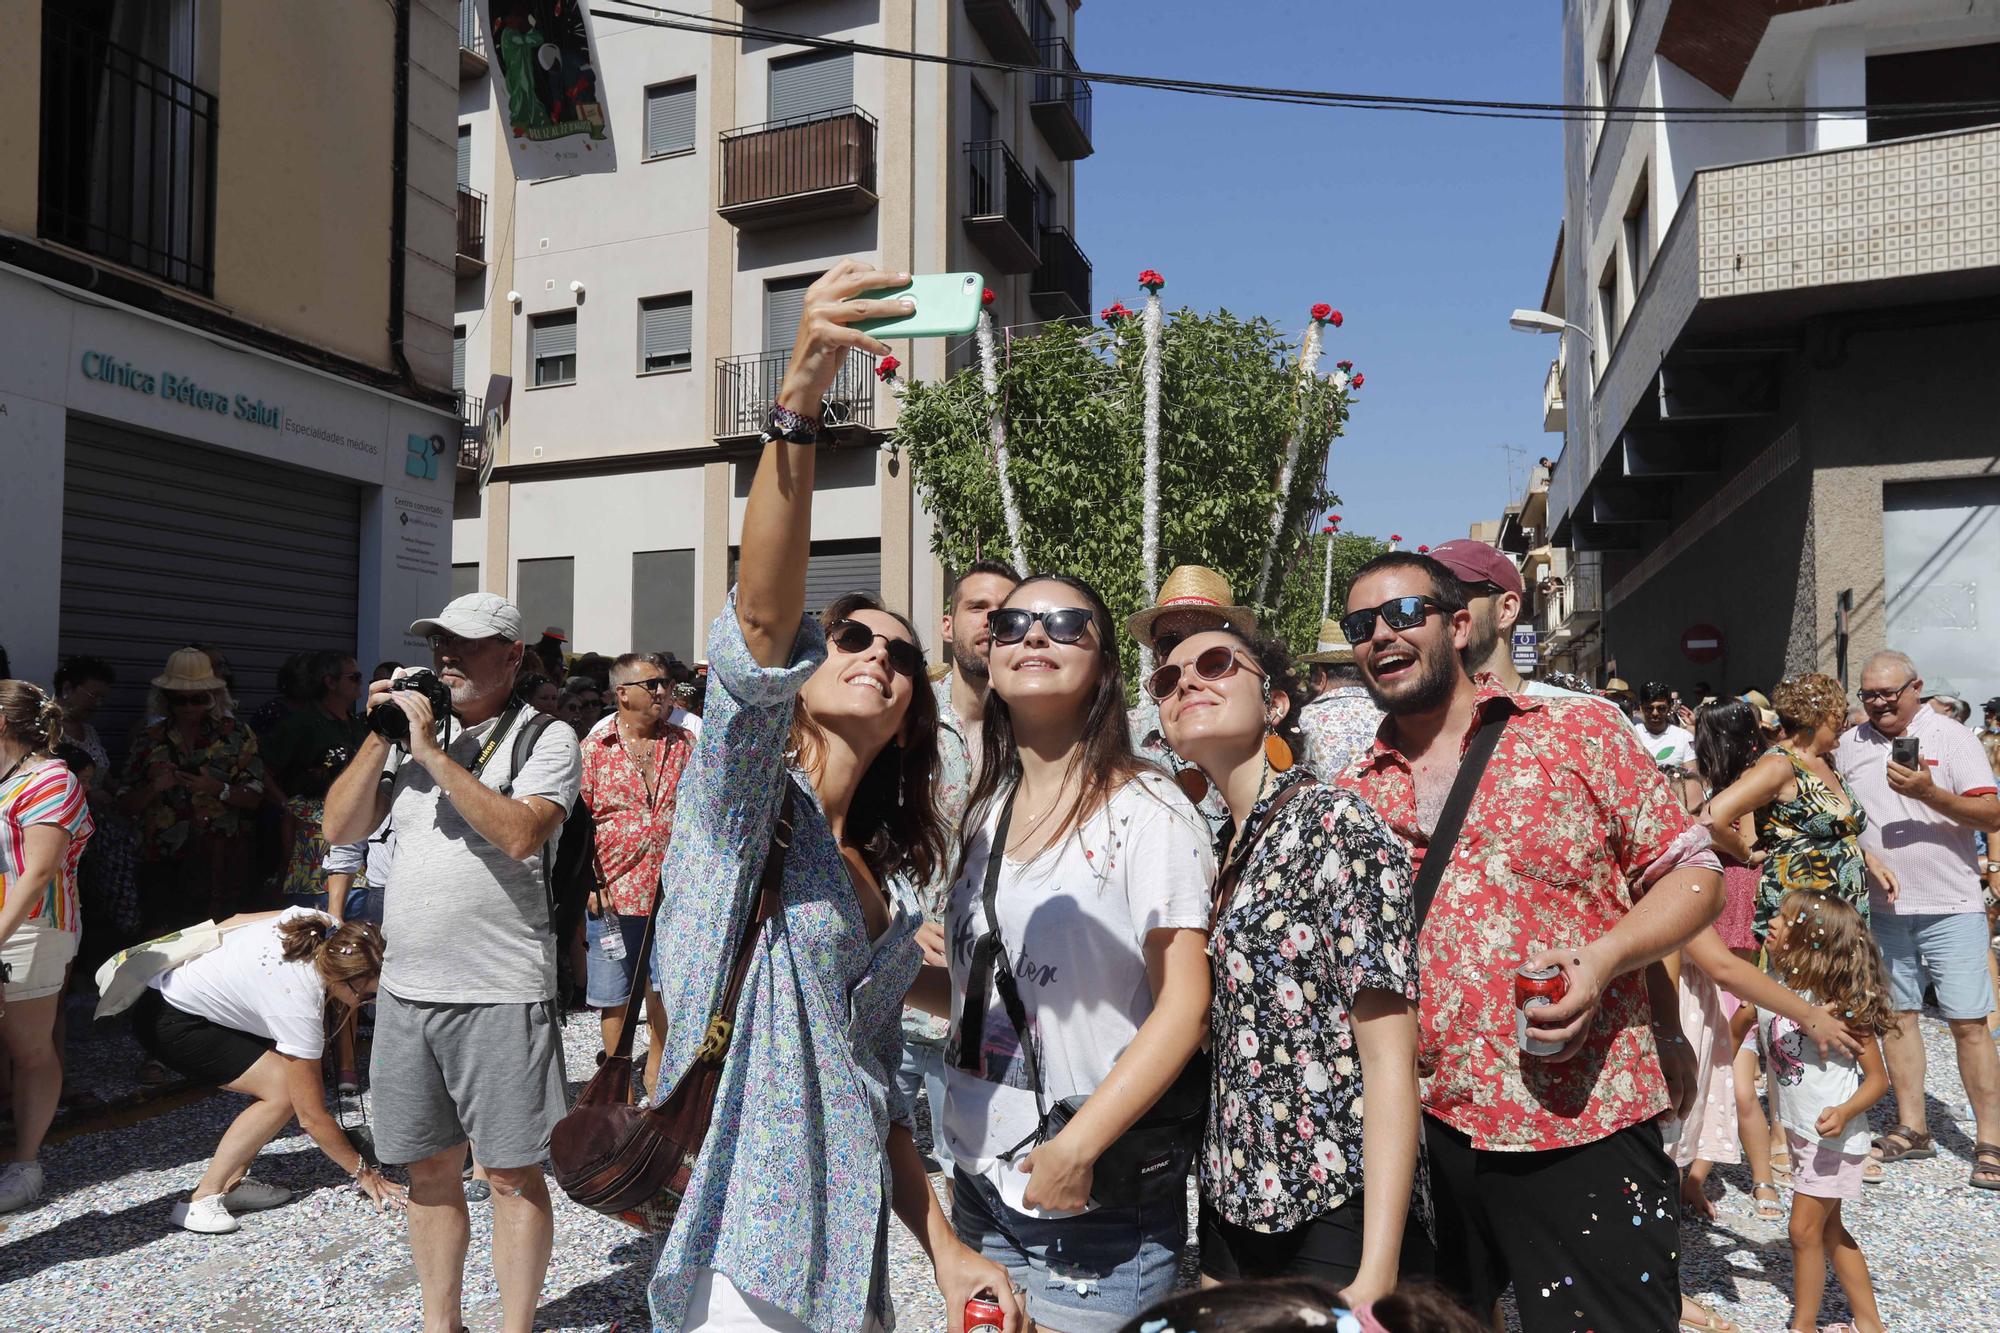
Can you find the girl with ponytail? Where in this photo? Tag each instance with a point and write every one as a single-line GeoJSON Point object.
{"type": "Point", "coordinates": [250, 1017]}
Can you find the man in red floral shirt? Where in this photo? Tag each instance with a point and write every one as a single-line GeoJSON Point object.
{"type": "Point", "coordinates": [1547, 1173]}
{"type": "Point", "coordinates": [631, 770]}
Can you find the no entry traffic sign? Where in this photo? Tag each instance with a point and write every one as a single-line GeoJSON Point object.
{"type": "Point", "coordinates": [1701, 643]}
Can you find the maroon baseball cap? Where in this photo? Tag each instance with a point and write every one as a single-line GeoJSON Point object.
{"type": "Point", "coordinates": [1476, 562]}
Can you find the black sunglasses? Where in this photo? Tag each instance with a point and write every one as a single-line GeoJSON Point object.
{"type": "Point", "coordinates": [851, 636]}
{"type": "Point", "coordinates": [1209, 664]}
{"type": "Point", "coordinates": [1063, 625]}
{"type": "Point", "coordinates": [651, 685]}
{"type": "Point", "coordinates": [1400, 612]}
{"type": "Point", "coordinates": [186, 700]}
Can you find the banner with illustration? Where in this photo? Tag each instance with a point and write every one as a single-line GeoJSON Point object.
{"type": "Point", "coordinates": [543, 58]}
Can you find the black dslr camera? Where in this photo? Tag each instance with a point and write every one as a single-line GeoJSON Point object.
{"type": "Point", "coordinates": [392, 723]}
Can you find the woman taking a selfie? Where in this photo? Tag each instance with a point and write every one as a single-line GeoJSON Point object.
{"type": "Point", "coordinates": [783, 1224]}
{"type": "Point", "coordinates": [1080, 990]}
{"type": "Point", "coordinates": [1314, 966]}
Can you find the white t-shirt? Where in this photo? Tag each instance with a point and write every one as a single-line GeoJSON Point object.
{"type": "Point", "coordinates": [1075, 921]}
{"type": "Point", "coordinates": [1673, 746]}
{"type": "Point", "coordinates": [247, 985]}
{"type": "Point", "coordinates": [1807, 1084]}
{"type": "Point", "coordinates": [1931, 856]}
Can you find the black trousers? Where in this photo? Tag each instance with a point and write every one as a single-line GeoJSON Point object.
{"type": "Point", "coordinates": [1588, 1237]}
{"type": "Point", "coordinates": [1328, 1247]}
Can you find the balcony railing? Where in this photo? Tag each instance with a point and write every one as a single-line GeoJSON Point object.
{"type": "Point", "coordinates": [1554, 416]}
{"type": "Point", "coordinates": [747, 385]}
{"type": "Point", "coordinates": [1061, 286]}
{"type": "Point", "coordinates": [1006, 27]}
{"type": "Point", "coordinates": [127, 156]}
{"type": "Point", "coordinates": [473, 446]}
{"type": "Point", "coordinates": [1061, 106]}
{"type": "Point", "coordinates": [471, 231]}
{"type": "Point", "coordinates": [471, 41]}
{"type": "Point", "coordinates": [1000, 207]}
{"type": "Point", "coordinates": [799, 170]}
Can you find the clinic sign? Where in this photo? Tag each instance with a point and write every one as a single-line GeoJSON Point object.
{"type": "Point", "coordinates": [169, 386]}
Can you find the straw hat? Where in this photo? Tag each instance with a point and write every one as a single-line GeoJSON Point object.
{"type": "Point", "coordinates": [1193, 598]}
{"type": "Point", "coordinates": [1615, 687]}
{"type": "Point", "coordinates": [1333, 649]}
{"type": "Point", "coordinates": [188, 670]}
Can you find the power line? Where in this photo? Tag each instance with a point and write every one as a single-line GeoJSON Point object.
{"type": "Point", "coordinates": [658, 16]}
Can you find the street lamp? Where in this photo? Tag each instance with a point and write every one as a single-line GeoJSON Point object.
{"type": "Point", "coordinates": [1541, 321]}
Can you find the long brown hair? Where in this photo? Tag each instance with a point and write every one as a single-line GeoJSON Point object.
{"type": "Point", "coordinates": [33, 717]}
{"type": "Point", "coordinates": [1831, 958]}
{"type": "Point", "coordinates": [893, 820]}
{"type": "Point", "coordinates": [350, 952]}
{"type": "Point", "coordinates": [1106, 759]}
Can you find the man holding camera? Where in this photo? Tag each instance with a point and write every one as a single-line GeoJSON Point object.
{"type": "Point", "coordinates": [466, 1040]}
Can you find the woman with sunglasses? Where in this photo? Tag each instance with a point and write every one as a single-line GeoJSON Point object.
{"type": "Point", "coordinates": [1077, 922]}
{"type": "Point", "coordinates": [250, 1017]}
{"type": "Point", "coordinates": [1314, 968]}
{"type": "Point", "coordinates": [784, 1221]}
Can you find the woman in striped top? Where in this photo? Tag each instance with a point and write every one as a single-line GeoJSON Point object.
{"type": "Point", "coordinates": [44, 824]}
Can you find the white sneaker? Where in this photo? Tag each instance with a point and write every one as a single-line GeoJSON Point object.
{"type": "Point", "coordinates": [251, 1194]}
{"type": "Point", "coordinates": [208, 1216]}
{"type": "Point", "coordinates": [20, 1185]}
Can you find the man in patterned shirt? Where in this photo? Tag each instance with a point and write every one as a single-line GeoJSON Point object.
{"type": "Point", "coordinates": [1340, 724]}
{"type": "Point", "coordinates": [1546, 1172]}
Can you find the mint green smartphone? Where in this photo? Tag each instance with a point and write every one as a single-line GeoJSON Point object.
{"type": "Point", "coordinates": [947, 305]}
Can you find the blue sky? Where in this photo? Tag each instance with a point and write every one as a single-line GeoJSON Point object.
{"type": "Point", "coordinates": [1425, 231]}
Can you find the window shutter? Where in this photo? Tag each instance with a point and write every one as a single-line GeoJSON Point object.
{"type": "Point", "coordinates": [784, 304]}
{"type": "Point", "coordinates": [458, 358]}
{"type": "Point", "coordinates": [465, 157]}
{"type": "Point", "coordinates": [554, 335]}
{"type": "Point", "coordinates": [811, 85]}
{"type": "Point", "coordinates": [670, 111]}
{"type": "Point", "coordinates": [666, 331]}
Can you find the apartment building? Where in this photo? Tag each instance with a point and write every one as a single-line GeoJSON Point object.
{"type": "Point", "coordinates": [644, 316]}
{"type": "Point", "coordinates": [225, 332]}
{"type": "Point", "coordinates": [1775, 389]}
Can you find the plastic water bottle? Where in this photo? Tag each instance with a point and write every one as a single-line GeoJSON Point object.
{"type": "Point", "coordinates": [611, 937]}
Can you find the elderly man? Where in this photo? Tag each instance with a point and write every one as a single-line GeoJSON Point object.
{"type": "Point", "coordinates": [1923, 811]}
{"type": "Point", "coordinates": [467, 1047]}
{"type": "Point", "coordinates": [1572, 855]}
{"type": "Point", "coordinates": [1339, 725]}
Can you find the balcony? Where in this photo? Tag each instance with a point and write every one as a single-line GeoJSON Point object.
{"type": "Point", "coordinates": [473, 446]}
{"type": "Point", "coordinates": [127, 157]}
{"type": "Point", "coordinates": [1000, 207]}
{"type": "Point", "coordinates": [471, 232]}
{"type": "Point", "coordinates": [802, 170]}
{"type": "Point", "coordinates": [1554, 417]}
{"type": "Point", "coordinates": [747, 385]}
{"type": "Point", "coordinates": [1061, 106]}
{"type": "Point", "coordinates": [1005, 27]}
{"type": "Point", "coordinates": [471, 41]}
{"type": "Point", "coordinates": [1061, 286]}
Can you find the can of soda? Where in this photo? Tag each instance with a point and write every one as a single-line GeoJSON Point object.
{"type": "Point", "coordinates": [983, 1314]}
{"type": "Point", "coordinates": [1533, 988]}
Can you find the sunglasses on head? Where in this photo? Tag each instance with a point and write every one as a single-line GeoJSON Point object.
{"type": "Point", "coordinates": [1399, 612]}
{"type": "Point", "coordinates": [1209, 664]}
{"type": "Point", "coordinates": [1064, 625]}
{"type": "Point", "coordinates": [851, 636]}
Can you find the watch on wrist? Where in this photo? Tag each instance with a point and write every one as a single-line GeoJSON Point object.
{"type": "Point", "coordinates": [792, 427]}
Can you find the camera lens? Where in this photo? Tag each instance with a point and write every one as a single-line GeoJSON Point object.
{"type": "Point", "coordinates": [389, 722]}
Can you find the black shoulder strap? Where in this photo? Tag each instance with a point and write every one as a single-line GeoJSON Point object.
{"type": "Point", "coordinates": [990, 969]}
{"type": "Point", "coordinates": [1444, 838]}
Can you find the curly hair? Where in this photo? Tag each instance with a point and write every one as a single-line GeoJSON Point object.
{"type": "Point", "coordinates": [1805, 703]}
{"type": "Point", "coordinates": [1831, 958]}
{"type": "Point", "coordinates": [1273, 659]}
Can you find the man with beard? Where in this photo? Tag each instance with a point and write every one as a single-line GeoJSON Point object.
{"type": "Point", "coordinates": [1572, 855]}
{"type": "Point", "coordinates": [1494, 593]}
{"type": "Point", "coordinates": [466, 1042]}
{"type": "Point", "coordinates": [961, 698]}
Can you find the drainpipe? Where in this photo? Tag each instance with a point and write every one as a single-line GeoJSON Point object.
{"type": "Point", "coordinates": [399, 203]}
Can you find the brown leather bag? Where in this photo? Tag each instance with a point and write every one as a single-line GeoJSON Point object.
{"type": "Point", "coordinates": [632, 1162]}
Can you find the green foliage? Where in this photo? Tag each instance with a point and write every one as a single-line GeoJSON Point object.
{"type": "Point", "coordinates": [1074, 402]}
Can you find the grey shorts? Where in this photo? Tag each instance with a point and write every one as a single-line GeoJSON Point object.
{"type": "Point", "coordinates": [443, 1074]}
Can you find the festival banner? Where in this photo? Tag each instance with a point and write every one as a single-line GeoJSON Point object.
{"type": "Point", "coordinates": [546, 82]}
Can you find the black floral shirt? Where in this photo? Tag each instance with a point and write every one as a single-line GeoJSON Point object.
{"type": "Point", "coordinates": [1322, 912]}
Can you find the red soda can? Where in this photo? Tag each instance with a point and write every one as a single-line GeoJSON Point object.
{"type": "Point", "coordinates": [983, 1314]}
{"type": "Point", "coordinates": [1534, 987]}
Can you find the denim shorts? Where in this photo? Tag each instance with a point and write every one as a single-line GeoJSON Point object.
{"type": "Point", "coordinates": [1092, 1273]}
{"type": "Point", "coordinates": [608, 981]}
{"type": "Point", "coordinates": [1948, 948]}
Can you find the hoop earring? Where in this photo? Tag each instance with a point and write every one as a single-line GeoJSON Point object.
{"type": "Point", "coordinates": [1277, 753]}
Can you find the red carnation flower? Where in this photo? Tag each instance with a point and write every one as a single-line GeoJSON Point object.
{"type": "Point", "coordinates": [1322, 312]}
{"type": "Point", "coordinates": [1345, 365]}
{"type": "Point", "coordinates": [1395, 536]}
{"type": "Point", "coordinates": [1333, 518]}
{"type": "Point", "coordinates": [1115, 313]}
{"type": "Point", "coordinates": [1423, 550]}
{"type": "Point", "coordinates": [1334, 318]}
{"type": "Point", "coordinates": [886, 368]}
{"type": "Point", "coordinates": [987, 297]}
{"type": "Point", "coordinates": [1359, 379]}
{"type": "Point", "coordinates": [1151, 280]}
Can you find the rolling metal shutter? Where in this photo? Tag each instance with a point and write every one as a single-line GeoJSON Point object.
{"type": "Point", "coordinates": [831, 573]}
{"type": "Point", "coordinates": [784, 306]}
{"type": "Point", "coordinates": [670, 122]}
{"type": "Point", "coordinates": [811, 85]}
{"type": "Point", "coordinates": [465, 157]}
{"type": "Point", "coordinates": [166, 543]}
{"type": "Point", "coordinates": [666, 332]}
{"type": "Point", "coordinates": [458, 358]}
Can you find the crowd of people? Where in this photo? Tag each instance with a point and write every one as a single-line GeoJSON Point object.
{"type": "Point", "coordinates": [1104, 949]}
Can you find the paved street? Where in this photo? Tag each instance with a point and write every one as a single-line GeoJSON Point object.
{"type": "Point", "coordinates": [100, 1253]}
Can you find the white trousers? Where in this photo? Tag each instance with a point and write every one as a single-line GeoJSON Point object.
{"type": "Point", "coordinates": [717, 1306]}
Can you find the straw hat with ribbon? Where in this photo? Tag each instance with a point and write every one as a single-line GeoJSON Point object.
{"type": "Point", "coordinates": [1333, 649]}
{"type": "Point", "coordinates": [1193, 598]}
{"type": "Point", "coordinates": [188, 670]}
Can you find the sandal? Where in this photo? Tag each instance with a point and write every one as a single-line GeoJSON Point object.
{"type": "Point", "coordinates": [1872, 1172]}
{"type": "Point", "coordinates": [1704, 1320]}
{"type": "Point", "coordinates": [1768, 1210]}
{"type": "Point", "coordinates": [1903, 1144]}
{"type": "Point", "coordinates": [1986, 1162]}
